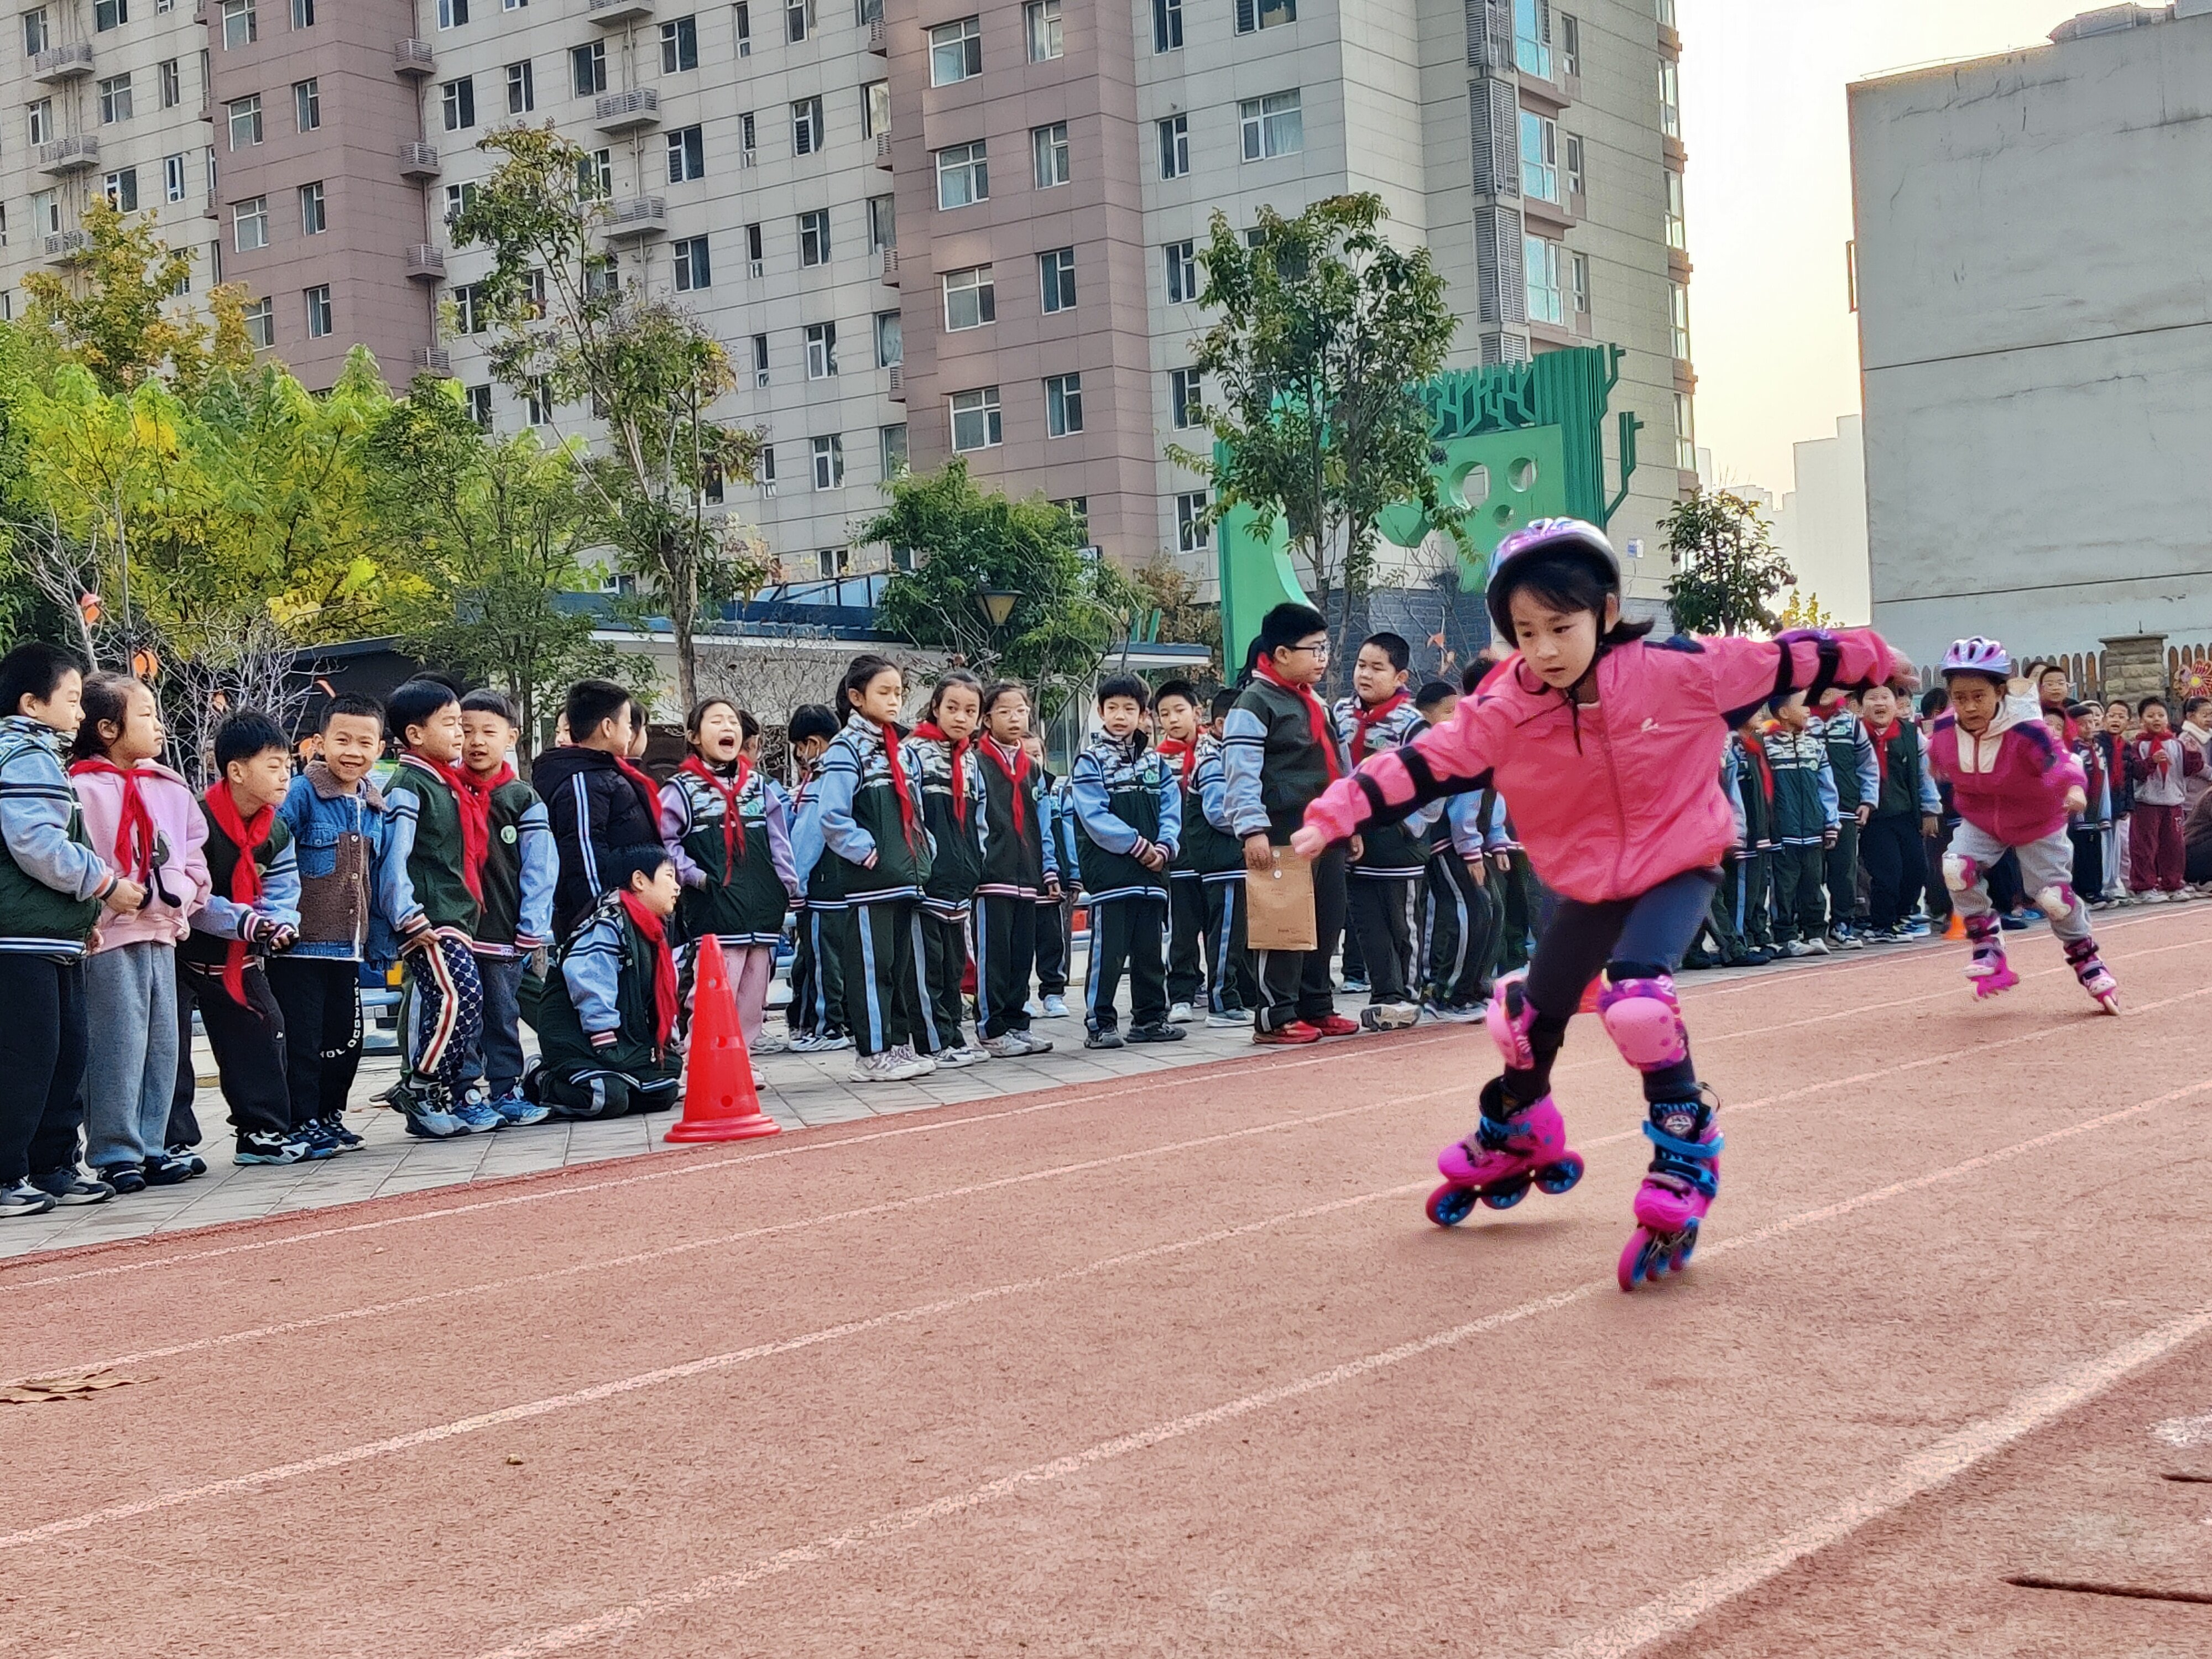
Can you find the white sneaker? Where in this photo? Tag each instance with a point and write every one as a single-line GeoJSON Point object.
{"type": "Point", "coordinates": [923, 1064]}
{"type": "Point", "coordinates": [955, 1058]}
{"type": "Point", "coordinates": [1031, 1043]}
{"type": "Point", "coordinates": [1180, 1014]}
{"type": "Point", "coordinates": [771, 1045]}
{"type": "Point", "coordinates": [1055, 1008]}
{"type": "Point", "coordinates": [2156, 896]}
{"type": "Point", "coordinates": [1450, 1015]}
{"type": "Point", "coordinates": [1229, 1021]}
{"type": "Point", "coordinates": [1009, 1047]}
{"type": "Point", "coordinates": [1389, 1016]}
{"type": "Point", "coordinates": [877, 1068]}
{"type": "Point", "coordinates": [1034, 1009]}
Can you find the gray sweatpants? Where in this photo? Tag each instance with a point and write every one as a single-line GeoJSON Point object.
{"type": "Point", "coordinates": [2046, 867]}
{"type": "Point", "coordinates": [131, 1006]}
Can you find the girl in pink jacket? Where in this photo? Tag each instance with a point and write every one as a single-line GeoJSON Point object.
{"type": "Point", "coordinates": [144, 823]}
{"type": "Point", "coordinates": [1607, 749]}
{"type": "Point", "coordinates": [2013, 784]}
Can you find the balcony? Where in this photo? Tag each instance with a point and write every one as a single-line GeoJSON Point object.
{"type": "Point", "coordinates": [887, 270]}
{"type": "Point", "coordinates": [608, 13]}
{"type": "Point", "coordinates": [635, 217]}
{"type": "Point", "coordinates": [414, 57]}
{"type": "Point", "coordinates": [627, 111]}
{"type": "Point", "coordinates": [67, 247]}
{"type": "Point", "coordinates": [898, 384]}
{"type": "Point", "coordinates": [426, 264]}
{"type": "Point", "coordinates": [66, 155]}
{"type": "Point", "coordinates": [58, 64]}
{"type": "Point", "coordinates": [433, 360]}
{"type": "Point", "coordinates": [418, 162]}
{"type": "Point", "coordinates": [880, 38]}
{"type": "Point", "coordinates": [884, 150]}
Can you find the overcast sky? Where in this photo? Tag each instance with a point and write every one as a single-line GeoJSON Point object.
{"type": "Point", "coordinates": [1768, 197]}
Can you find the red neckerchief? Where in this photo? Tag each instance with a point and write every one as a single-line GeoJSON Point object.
{"type": "Point", "coordinates": [475, 794]}
{"type": "Point", "coordinates": [935, 733]}
{"type": "Point", "coordinates": [247, 835]}
{"type": "Point", "coordinates": [733, 840]}
{"type": "Point", "coordinates": [134, 825]}
{"type": "Point", "coordinates": [1015, 773]}
{"type": "Point", "coordinates": [1364, 717]}
{"type": "Point", "coordinates": [1324, 732]}
{"type": "Point", "coordinates": [664, 968]}
{"type": "Point", "coordinates": [1176, 749]}
{"type": "Point", "coordinates": [472, 807]}
{"type": "Point", "coordinates": [648, 792]}
{"type": "Point", "coordinates": [1881, 753]}
{"type": "Point", "coordinates": [901, 786]}
{"type": "Point", "coordinates": [1757, 752]}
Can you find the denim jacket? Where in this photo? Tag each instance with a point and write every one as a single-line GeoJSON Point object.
{"type": "Point", "coordinates": [336, 926]}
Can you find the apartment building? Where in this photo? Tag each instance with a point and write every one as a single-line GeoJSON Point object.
{"type": "Point", "coordinates": [923, 228]}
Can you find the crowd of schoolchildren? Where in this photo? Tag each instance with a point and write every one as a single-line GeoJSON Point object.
{"type": "Point", "coordinates": [928, 877]}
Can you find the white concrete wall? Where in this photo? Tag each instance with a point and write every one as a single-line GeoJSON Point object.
{"type": "Point", "coordinates": [2034, 237]}
{"type": "Point", "coordinates": [1821, 523]}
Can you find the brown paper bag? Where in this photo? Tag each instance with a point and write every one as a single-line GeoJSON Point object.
{"type": "Point", "coordinates": [1278, 906]}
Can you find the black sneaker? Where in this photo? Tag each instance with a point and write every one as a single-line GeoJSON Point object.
{"type": "Point", "coordinates": [124, 1177]}
{"type": "Point", "coordinates": [24, 1200]}
{"type": "Point", "coordinates": [194, 1162]}
{"type": "Point", "coordinates": [265, 1148]}
{"type": "Point", "coordinates": [1160, 1033]}
{"type": "Point", "coordinates": [346, 1139]}
{"type": "Point", "coordinates": [1106, 1039]}
{"type": "Point", "coordinates": [73, 1186]}
{"type": "Point", "coordinates": [168, 1170]}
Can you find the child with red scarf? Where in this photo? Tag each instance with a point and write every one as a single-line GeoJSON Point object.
{"type": "Point", "coordinates": [440, 833]}
{"type": "Point", "coordinates": [1205, 884]}
{"type": "Point", "coordinates": [1386, 870]}
{"type": "Point", "coordinates": [1280, 749]}
{"type": "Point", "coordinates": [606, 1026]}
{"type": "Point", "coordinates": [145, 823]}
{"type": "Point", "coordinates": [950, 775]}
{"type": "Point", "coordinates": [252, 910]}
{"type": "Point", "coordinates": [726, 826]}
{"type": "Point", "coordinates": [520, 870]}
{"type": "Point", "coordinates": [1018, 896]}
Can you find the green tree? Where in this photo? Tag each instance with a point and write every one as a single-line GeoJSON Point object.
{"type": "Point", "coordinates": [1166, 589]}
{"type": "Point", "coordinates": [570, 332]}
{"type": "Point", "coordinates": [1067, 612]}
{"type": "Point", "coordinates": [1325, 331]}
{"type": "Point", "coordinates": [1727, 571]}
{"type": "Point", "coordinates": [493, 530]}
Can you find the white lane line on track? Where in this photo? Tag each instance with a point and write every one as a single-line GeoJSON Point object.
{"type": "Point", "coordinates": [618, 1619]}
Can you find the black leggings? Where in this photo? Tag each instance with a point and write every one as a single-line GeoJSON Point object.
{"type": "Point", "coordinates": [1640, 938]}
{"type": "Point", "coordinates": [43, 1044]}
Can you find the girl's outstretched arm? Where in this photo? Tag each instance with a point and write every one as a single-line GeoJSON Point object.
{"type": "Point", "coordinates": [1749, 672]}
{"type": "Point", "coordinates": [1444, 760]}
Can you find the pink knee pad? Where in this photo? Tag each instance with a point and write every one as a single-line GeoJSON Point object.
{"type": "Point", "coordinates": [1510, 1016]}
{"type": "Point", "coordinates": [1644, 1021]}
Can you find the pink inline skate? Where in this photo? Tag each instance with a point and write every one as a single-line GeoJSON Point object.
{"type": "Point", "coordinates": [1992, 974]}
{"type": "Point", "coordinates": [2096, 979]}
{"type": "Point", "coordinates": [1503, 1158]}
{"type": "Point", "coordinates": [1678, 1189]}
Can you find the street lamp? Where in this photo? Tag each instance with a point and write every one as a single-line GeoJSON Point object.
{"type": "Point", "coordinates": [998, 604]}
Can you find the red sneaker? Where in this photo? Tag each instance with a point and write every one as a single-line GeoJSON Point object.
{"type": "Point", "coordinates": [1287, 1036]}
{"type": "Point", "coordinates": [1337, 1025]}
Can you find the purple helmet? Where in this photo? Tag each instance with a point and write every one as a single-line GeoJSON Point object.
{"type": "Point", "coordinates": [1570, 537]}
{"type": "Point", "coordinates": [1978, 656]}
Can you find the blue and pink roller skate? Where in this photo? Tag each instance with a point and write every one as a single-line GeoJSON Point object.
{"type": "Point", "coordinates": [1678, 1189]}
{"type": "Point", "coordinates": [2096, 979]}
{"type": "Point", "coordinates": [1992, 974]}
{"type": "Point", "coordinates": [1503, 1158]}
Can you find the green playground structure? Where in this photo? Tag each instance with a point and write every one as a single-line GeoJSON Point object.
{"type": "Point", "coordinates": [1517, 441]}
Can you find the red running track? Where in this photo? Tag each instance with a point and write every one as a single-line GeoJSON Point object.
{"type": "Point", "coordinates": [1176, 1366]}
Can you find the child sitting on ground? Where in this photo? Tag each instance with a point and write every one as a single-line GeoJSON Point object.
{"type": "Point", "coordinates": [1129, 822]}
{"type": "Point", "coordinates": [606, 1026]}
{"type": "Point", "coordinates": [520, 869]}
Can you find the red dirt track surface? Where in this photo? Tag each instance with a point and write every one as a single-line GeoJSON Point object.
{"type": "Point", "coordinates": [1177, 1366]}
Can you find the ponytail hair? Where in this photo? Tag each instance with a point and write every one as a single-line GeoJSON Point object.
{"type": "Point", "coordinates": [106, 697]}
{"type": "Point", "coordinates": [949, 678]}
{"type": "Point", "coordinates": [858, 672]}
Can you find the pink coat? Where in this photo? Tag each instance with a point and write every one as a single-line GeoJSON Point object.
{"type": "Point", "coordinates": [2010, 783]}
{"type": "Point", "coordinates": [1614, 796]}
{"type": "Point", "coordinates": [178, 820]}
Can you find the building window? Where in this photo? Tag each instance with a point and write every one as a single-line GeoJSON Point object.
{"type": "Point", "coordinates": [40, 122]}
{"type": "Point", "coordinates": [1041, 19]}
{"type": "Point", "coordinates": [1571, 45]}
{"type": "Point", "coordinates": [1667, 12]}
{"type": "Point", "coordinates": [1685, 434]}
{"type": "Point", "coordinates": [745, 29]}
{"type": "Point", "coordinates": [1678, 294]}
{"type": "Point", "coordinates": [1578, 270]}
{"type": "Point", "coordinates": [114, 100]}
{"type": "Point", "coordinates": [760, 368]}
{"type": "Point", "coordinates": [261, 324]}
{"type": "Point", "coordinates": [457, 100]}
{"type": "Point", "coordinates": [956, 51]}
{"type": "Point", "coordinates": [693, 268]}
{"type": "Point", "coordinates": [748, 138]}
{"type": "Point", "coordinates": [806, 127]}
{"type": "Point", "coordinates": [1670, 99]}
{"type": "Point", "coordinates": [687, 155]}
{"type": "Point", "coordinates": [963, 176]}
{"type": "Point", "coordinates": [1185, 400]}
{"type": "Point", "coordinates": [1571, 145]}
{"type": "Point", "coordinates": [821, 350]}
{"type": "Point", "coordinates": [110, 13]}
{"type": "Point", "coordinates": [1182, 272]}
{"type": "Point", "coordinates": [245, 121]}
{"type": "Point", "coordinates": [1056, 278]}
{"type": "Point", "coordinates": [480, 406]}
{"type": "Point", "coordinates": [890, 340]}
{"type": "Point", "coordinates": [1175, 147]}
{"type": "Point", "coordinates": [832, 561]}
{"type": "Point", "coordinates": [875, 108]}
{"type": "Point", "coordinates": [1063, 405]}
{"type": "Point", "coordinates": [169, 76]}
{"type": "Point", "coordinates": [1547, 292]}
{"type": "Point", "coordinates": [595, 176]}
{"type": "Point", "coordinates": [173, 177]}
{"type": "Point", "coordinates": [828, 463]}
{"type": "Point", "coordinates": [882, 224]}
{"type": "Point", "coordinates": [975, 420]}
{"type": "Point", "coordinates": [1252, 15]}
{"type": "Point", "coordinates": [538, 407]}
{"type": "Point", "coordinates": [521, 89]}
{"type": "Point", "coordinates": [318, 312]}
{"type": "Point", "coordinates": [1193, 533]}
{"type": "Point", "coordinates": [587, 69]}
{"type": "Point", "coordinates": [754, 261]}
{"type": "Point", "coordinates": [798, 20]}
{"type": "Point", "coordinates": [1049, 146]}
{"type": "Point", "coordinates": [1167, 25]}
{"type": "Point", "coordinates": [1678, 229]}
{"type": "Point", "coordinates": [1273, 125]}
{"type": "Point", "coordinates": [46, 213]}
{"type": "Point", "coordinates": [453, 14]}
{"type": "Point", "coordinates": [1539, 156]}
{"type": "Point", "coordinates": [470, 314]}
{"type": "Point", "coordinates": [121, 190]}
{"type": "Point", "coordinates": [679, 45]}
{"type": "Point", "coordinates": [814, 237]}
{"type": "Point", "coordinates": [303, 13]}
{"type": "Point", "coordinates": [1532, 37]}
{"type": "Point", "coordinates": [891, 442]}
{"type": "Point", "coordinates": [315, 212]}
{"type": "Point", "coordinates": [971, 299]}
{"type": "Point", "coordinates": [35, 33]}
{"type": "Point", "coordinates": [241, 26]}
{"type": "Point", "coordinates": [249, 222]}
{"type": "Point", "coordinates": [764, 474]}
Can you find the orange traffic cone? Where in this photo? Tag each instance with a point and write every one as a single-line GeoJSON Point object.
{"type": "Point", "coordinates": [1958, 927]}
{"type": "Point", "coordinates": [720, 1101]}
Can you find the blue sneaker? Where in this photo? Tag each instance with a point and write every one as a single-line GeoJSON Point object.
{"type": "Point", "coordinates": [426, 1122]}
{"type": "Point", "coordinates": [475, 1114]}
{"type": "Point", "coordinates": [265, 1148]}
{"type": "Point", "coordinates": [335, 1127]}
{"type": "Point", "coordinates": [518, 1112]}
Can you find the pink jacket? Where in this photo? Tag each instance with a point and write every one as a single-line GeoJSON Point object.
{"type": "Point", "coordinates": [2010, 783]}
{"type": "Point", "coordinates": [182, 873]}
{"type": "Point", "coordinates": [1614, 796]}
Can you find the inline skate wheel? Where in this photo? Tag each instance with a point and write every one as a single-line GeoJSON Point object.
{"type": "Point", "coordinates": [1506, 1194]}
{"type": "Point", "coordinates": [1451, 1204]}
{"type": "Point", "coordinates": [2110, 1002]}
{"type": "Point", "coordinates": [1556, 1178]}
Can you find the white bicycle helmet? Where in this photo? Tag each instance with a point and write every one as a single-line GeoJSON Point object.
{"type": "Point", "coordinates": [1572, 536]}
{"type": "Point", "coordinates": [1978, 656]}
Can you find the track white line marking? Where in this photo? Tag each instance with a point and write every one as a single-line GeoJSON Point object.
{"type": "Point", "coordinates": [618, 1620]}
